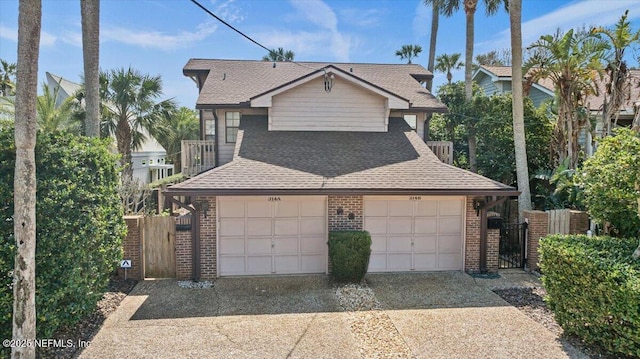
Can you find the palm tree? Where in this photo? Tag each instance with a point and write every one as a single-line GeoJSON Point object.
{"type": "Point", "coordinates": [572, 61]}
{"type": "Point", "coordinates": [408, 52]}
{"type": "Point", "coordinates": [517, 106]}
{"type": "Point", "coordinates": [90, 11]}
{"type": "Point", "coordinates": [129, 106]}
{"type": "Point", "coordinates": [617, 87]}
{"type": "Point", "coordinates": [435, 20]}
{"type": "Point", "coordinates": [51, 117]}
{"type": "Point", "coordinates": [279, 55]}
{"type": "Point", "coordinates": [181, 125]}
{"type": "Point", "coordinates": [7, 74]}
{"type": "Point", "coordinates": [445, 63]}
{"type": "Point", "coordinates": [24, 186]}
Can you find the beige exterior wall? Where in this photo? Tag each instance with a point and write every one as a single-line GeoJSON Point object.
{"type": "Point", "coordinates": [346, 108]}
{"type": "Point", "coordinates": [225, 150]}
{"type": "Point", "coordinates": [422, 117]}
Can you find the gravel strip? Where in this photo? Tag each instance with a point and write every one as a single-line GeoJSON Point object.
{"type": "Point", "coordinates": [377, 335]}
{"type": "Point", "coordinates": [195, 285]}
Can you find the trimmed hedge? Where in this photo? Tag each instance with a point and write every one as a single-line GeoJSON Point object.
{"type": "Point", "coordinates": [593, 288]}
{"type": "Point", "coordinates": [80, 228]}
{"type": "Point", "coordinates": [349, 253]}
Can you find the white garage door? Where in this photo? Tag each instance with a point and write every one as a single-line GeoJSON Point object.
{"type": "Point", "coordinates": [415, 233]}
{"type": "Point", "coordinates": [272, 235]}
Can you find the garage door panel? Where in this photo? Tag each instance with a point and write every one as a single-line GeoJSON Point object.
{"type": "Point", "coordinates": [425, 261]}
{"type": "Point", "coordinates": [450, 208]}
{"type": "Point", "coordinates": [284, 245]}
{"type": "Point", "coordinates": [450, 225]}
{"type": "Point", "coordinates": [259, 227]}
{"type": "Point", "coordinates": [449, 243]}
{"type": "Point", "coordinates": [232, 265]}
{"type": "Point", "coordinates": [376, 226]}
{"type": "Point", "coordinates": [449, 261]}
{"type": "Point", "coordinates": [231, 227]}
{"type": "Point", "coordinates": [425, 243]}
{"type": "Point", "coordinates": [399, 262]}
{"type": "Point", "coordinates": [258, 209]}
{"type": "Point", "coordinates": [314, 244]}
{"type": "Point", "coordinates": [286, 209]}
{"type": "Point", "coordinates": [374, 208]}
{"type": "Point", "coordinates": [400, 226]}
{"type": "Point", "coordinates": [427, 208]}
{"type": "Point", "coordinates": [287, 264]}
{"type": "Point", "coordinates": [313, 226]}
{"type": "Point", "coordinates": [377, 262]}
{"type": "Point", "coordinates": [285, 227]}
{"type": "Point", "coordinates": [400, 208]}
{"type": "Point", "coordinates": [231, 209]}
{"type": "Point", "coordinates": [231, 246]}
{"type": "Point", "coordinates": [425, 225]}
{"type": "Point", "coordinates": [259, 264]}
{"type": "Point", "coordinates": [378, 243]}
{"type": "Point", "coordinates": [313, 208]}
{"type": "Point", "coordinates": [313, 263]}
{"type": "Point", "coordinates": [259, 245]}
{"type": "Point", "coordinates": [399, 244]}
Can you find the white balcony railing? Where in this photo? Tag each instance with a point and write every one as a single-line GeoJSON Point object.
{"type": "Point", "coordinates": [443, 150]}
{"type": "Point", "coordinates": [197, 156]}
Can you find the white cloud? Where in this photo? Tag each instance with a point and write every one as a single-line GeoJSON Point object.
{"type": "Point", "coordinates": [422, 20]}
{"type": "Point", "coordinates": [316, 12]}
{"type": "Point", "coordinates": [11, 34]}
{"type": "Point", "coordinates": [157, 39]}
{"type": "Point", "coordinates": [72, 38]}
{"type": "Point", "coordinates": [588, 12]}
{"type": "Point", "coordinates": [362, 18]}
{"type": "Point", "coordinates": [227, 11]}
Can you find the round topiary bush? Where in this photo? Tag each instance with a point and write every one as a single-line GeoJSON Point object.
{"type": "Point", "coordinates": [349, 252]}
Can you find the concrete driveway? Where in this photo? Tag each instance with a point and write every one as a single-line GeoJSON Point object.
{"type": "Point", "coordinates": [431, 315]}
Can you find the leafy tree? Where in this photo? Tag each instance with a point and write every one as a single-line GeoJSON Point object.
{"type": "Point", "coordinates": [90, 13]}
{"type": "Point", "coordinates": [572, 61]}
{"type": "Point", "coordinates": [445, 63]}
{"type": "Point", "coordinates": [130, 104]}
{"type": "Point", "coordinates": [51, 117]}
{"type": "Point", "coordinates": [279, 55]}
{"type": "Point", "coordinates": [495, 58]}
{"type": "Point", "coordinates": [408, 52]}
{"type": "Point", "coordinates": [617, 86]}
{"type": "Point", "coordinates": [24, 182]}
{"type": "Point", "coordinates": [611, 179]}
{"type": "Point", "coordinates": [7, 78]}
{"type": "Point", "coordinates": [180, 125]}
{"type": "Point", "coordinates": [80, 227]}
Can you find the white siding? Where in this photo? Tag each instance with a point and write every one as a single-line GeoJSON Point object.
{"type": "Point", "coordinates": [346, 108]}
{"type": "Point", "coordinates": [225, 150]}
{"type": "Point", "coordinates": [421, 117]}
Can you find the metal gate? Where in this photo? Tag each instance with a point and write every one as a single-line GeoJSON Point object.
{"type": "Point", "coordinates": [512, 245]}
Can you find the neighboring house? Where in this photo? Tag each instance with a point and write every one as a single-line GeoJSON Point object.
{"type": "Point", "coordinates": [148, 161]}
{"type": "Point", "coordinates": [497, 80]}
{"type": "Point", "coordinates": [309, 148]}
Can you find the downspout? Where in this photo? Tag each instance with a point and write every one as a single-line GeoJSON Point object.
{"type": "Point", "coordinates": [195, 237]}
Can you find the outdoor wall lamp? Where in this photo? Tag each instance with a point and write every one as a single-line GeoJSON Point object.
{"type": "Point", "coordinates": [328, 81]}
{"type": "Point", "coordinates": [477, 205]}
{"type": "Point", "coordinates": [202, 206]}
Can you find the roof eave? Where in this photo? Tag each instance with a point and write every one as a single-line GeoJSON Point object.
{"type": "Point", "coordinates": [510, 192]}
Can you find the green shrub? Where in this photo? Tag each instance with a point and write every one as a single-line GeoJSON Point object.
{"type": "Point", "coordinates": [593, 289]}
{"type": "Point", "coordinates": [79, 231]}
{"type": "Point", "coordinates": [349, 253]}
{"type": "Point", "coordinates": [610, 179]}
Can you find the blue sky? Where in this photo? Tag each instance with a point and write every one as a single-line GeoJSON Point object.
{"type": "Point", "coordinates": [159, 36]}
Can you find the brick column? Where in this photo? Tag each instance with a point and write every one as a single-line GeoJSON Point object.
{"type": "Point", "coordinates": [538, 228]}
{"type": "Point", "coordinates": [208, 239]}
{"type": "Point", "coordinates": [348, 204]}
{"type": "Point", "coordinates": [183, 254]}
{"type": "Point", "coordinates": [472, 239]}
{"type": "Point", "coordinates": [493, 248]}
{"type": "Point", "coordinates": [578, 222]}
{"type": "Point", "coordinates": [132, 246]}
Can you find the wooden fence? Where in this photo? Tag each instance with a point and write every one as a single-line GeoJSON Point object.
{"type": "Point", "coordinates": [443, 150]}
{"type": "Point", "coordinates": [159, 247]}
{"type": "Point", "coordinates": [559, 221]}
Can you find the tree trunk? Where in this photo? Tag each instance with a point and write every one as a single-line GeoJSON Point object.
{"type": "Point", "coordinates": [123, 137]}
{"type": "Point", "coordinates": [24, 185]}
{"type": "Point", "coordinates": [90, 11]}
{"type": "Point", "coordinates": [470, 10]}
{"type": "Point", "coordinates": [435, 19]}
{"type": "Point", "coordinates": [519, 139]}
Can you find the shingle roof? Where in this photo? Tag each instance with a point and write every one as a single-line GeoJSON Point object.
{"type": "Point", "coordinates": [330, 161]}
{"type": "Point", "coordinates": [505, 71]}
{"type": "Point", "coordinates": [235, 82]}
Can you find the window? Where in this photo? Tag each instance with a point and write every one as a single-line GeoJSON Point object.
{"type": "Point", "coordinates": [232, 121]}
{"type": "Point", "coordinates": [412, 120]}
{"type": "Point", "coordinates": [209, 129]}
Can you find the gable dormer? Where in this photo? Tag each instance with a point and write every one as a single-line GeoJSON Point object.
{"type": "Point", "coordinates": [329, 99]}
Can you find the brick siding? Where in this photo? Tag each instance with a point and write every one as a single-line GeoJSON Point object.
{"type": "Point", "coordinates": [208, 240]}
{"type": "Point", "coordinates": [578, 222]}
{"type": "Point", "coordinates": [349, 204]}
{"type": "Point", "coordinates": [183, 255]}
{"type": "Point", "coordinates": [472, 240]}
{"type": "Point", "coordinates": [132, 246]}
{"type": "Point", "coordinates": [493, 248]}
{"type": "Point", "coordinates": [538, 228]}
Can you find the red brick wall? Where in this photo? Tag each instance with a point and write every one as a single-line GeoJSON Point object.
{"type": "Point", "coordinates": [493, 248]}
{"type": "Point", "coordinates": [538, 228]}
{"type": "Point", "coordinates": [183, 255]}
{"type": "Point", "coordinates": [578, 222]}
{"type": "Point", "coordinates": [208, 240]}
{"type": "Point", "coordinates": [133, 248]}
{"type": "Point", "coordinates": [472, 240]}
{"type": "Point", "coordinates": [349, 204]}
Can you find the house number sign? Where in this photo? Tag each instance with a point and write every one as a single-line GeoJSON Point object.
{"type": "Point", "coordinates": [415, 198]}
{"type": "Point", "coordinates": [273, 199]}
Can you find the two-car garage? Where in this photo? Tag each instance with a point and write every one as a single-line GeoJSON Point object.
{"type": "Point", "coordinates": [263, 235]}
